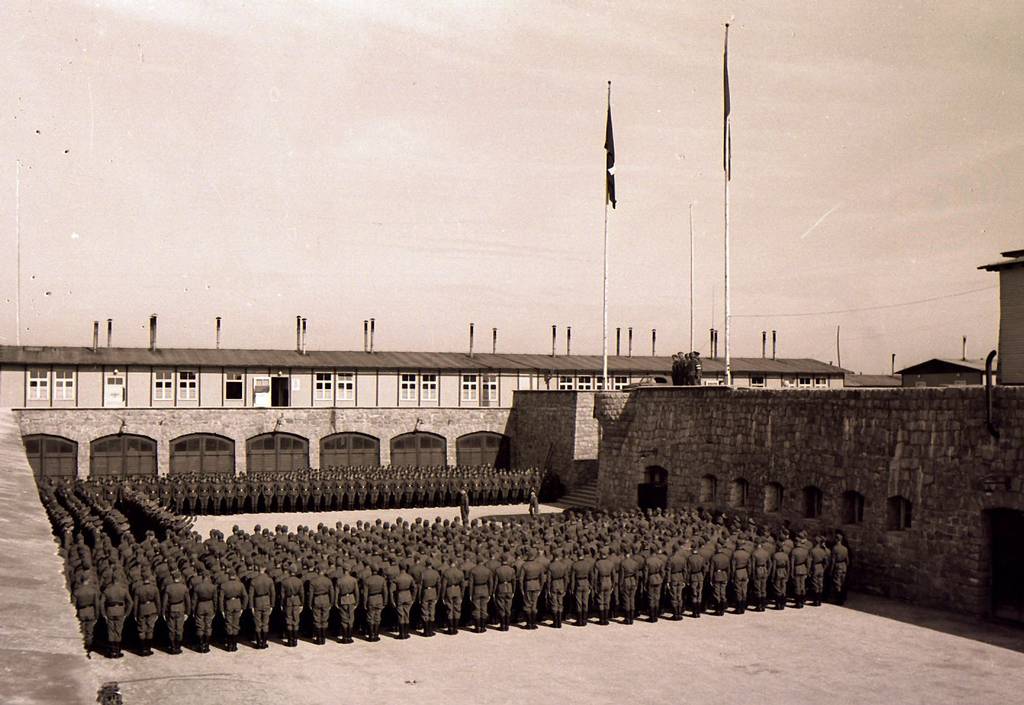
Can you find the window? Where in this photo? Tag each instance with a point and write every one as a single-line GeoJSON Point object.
{"type": "Point", "coordinates": [428, 387]}
{"type": "Point", "coordinates": [620, 382]}
{"type": "Point", "coordinates": [708, 488]}
{"type": "Point", "coordinates": [812, 502]}
{"type": "Point", "coordinates": [408, 387]}
{"type": "Point", "coordinates": [788, 382]}
{"type": "Point", "coordinates": [346, 386]}
{"type": "Point", "coordinates": [773, 497]}
{"type": "Point", "coordinates": [63, 385]}
{"type": "Point", "coordinates": [757, 381]}
{"type": "Point", "coordinates": [804, 381]}
{"type": "Point", "coordinates": [821, 381]}
{"type": "Point", "coordinates": [188, 385]}
{"type": "Point", "coordinates": [489, 389]}
{"type": "Point", "coordinates": [599, 382]}
{"type": "Point", "coordinates": [565, 382]}
{"type": "Point", "coordinates": [163, 385]}
{"type": "Point", "coordinates": [898, 511]}
{"type": "Point", "coordinates": [738, 492]}
{"type": "Point", "coordinates": [469, 388]}
{"type": "Point", "coordinates": [853, 507]}
{"type": "Point", "coordinates": [584, 383]}
{"type": "Point", "coordinates": [323, 386]}
{"type": "Point", "coordinates": [38, 384]}
{"type": "Point", "coordinates": [234, 386]}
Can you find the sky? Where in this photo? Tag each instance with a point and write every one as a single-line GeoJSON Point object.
{"type": "Point", "coordinates": [436, 164]}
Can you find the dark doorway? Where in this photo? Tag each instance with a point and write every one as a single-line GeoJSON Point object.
{"type": "Point", "coordinates": [1007, 564]}
{"type": "Point", "coordinates": [419, 449]}
{"type": "Point", "coordinates": [482, 448]}
{"type": "Point", "coordinates": [202, 453]}
{"type": "Point", "coordinates": [279, 391]}
{"type": "Point", "coordinates": [652, 493]}
{"type": "Point", "coordinates": [276, 452]}
{"type": "Point", "coordinates": [52, 456]}
{"type": "Point", "coordinates": [349, 450]}
{"type": "Point", "coordinates": [122, 455]}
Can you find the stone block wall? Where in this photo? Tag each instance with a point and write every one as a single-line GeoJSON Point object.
{"type": "Point", "coordinates": [556, 430]}
{"type": "Point", "coordinates": [930, 446]}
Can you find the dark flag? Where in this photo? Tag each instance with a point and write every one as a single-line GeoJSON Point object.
{"type": "Point", "coordinates": [609, 146]}
{"type": "Point", "coordinates": [727, 133]}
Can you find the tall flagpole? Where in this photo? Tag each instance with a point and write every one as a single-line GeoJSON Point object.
{"type": "Point", "coordinates": [691, 278]}
{"type": "Point", "coordinates": [17, 235]}
{"type": "Point", "coordinates": [727, 151]}
{"type": "Point", "coordinates": [604, 328]}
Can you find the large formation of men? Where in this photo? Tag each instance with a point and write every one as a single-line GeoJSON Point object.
{"type": "Point", "coordinates": [397, 576]}
{"type": "Point", "coordinates": [355, 487]}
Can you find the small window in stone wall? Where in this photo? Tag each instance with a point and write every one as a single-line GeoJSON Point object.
{"type": "Point", "coordinates": [738, 492]}
{"type": "Point", "coordinates": [898, 513]}
{"type": "Point", "coordinates": [708, 489]}
{"type": "Point", "coordinates": [773, 497]}
{"type": "Point", "coordinates": [853, 507]}
{"type": "Point", "coordinates": [812, 502]}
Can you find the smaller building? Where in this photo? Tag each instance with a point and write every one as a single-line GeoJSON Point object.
{"type": "Point", "coordinates": [943, 372]}
{"type": "Point", "coordinates": [1011, 316]}
{"type": "Point", "coordinates": [857, 381]}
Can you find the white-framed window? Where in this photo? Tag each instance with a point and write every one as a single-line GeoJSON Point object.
{"type": "Point", "coordinates": [234, 386]}
{"type": "Point", "coordinates": [163, 385]}
{"type": "Point", "coordinates": [428, 387]}
{"type": "Point", "coordinates": [804, 381]}
{"type": "Point", "coordinates": [565, 382]}
{"type": "Point", "coordinates": [489, 388]}
{"type": "Point", "coordinates": [346, 382]}
{"type": "Point", "coordinates": [38, 384]}
{"type": "Point", "coordinates": [188, 385]}
{"type": "Point", "coordinates": [620, 382]}
{"type": "Point", "coordinates": [470, 388]}
{"type": "Point", "coordinates": [63, 384]}
{"type": "Point", "coordinates": [408, 387]}
{"type": "Point", "coordinates": [599, 382]}
{"type": "Point", "coordinates": [788, 381]}
{"type": "Point", "coordinates": [757, 381]}
{"type": "Point", "coordinates": [323, 386]}
{"type": "Point", "coordinates": [821, 381]}
{"type": "Point", "coordinates": [584, 383]}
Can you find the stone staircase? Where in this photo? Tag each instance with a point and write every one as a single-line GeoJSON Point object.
{"type": "Point", "coordinates": [582, 496]}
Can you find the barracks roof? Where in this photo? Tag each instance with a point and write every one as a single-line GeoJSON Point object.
{"type": "Point", "coordinates": [942, 364]}
{"type": "Point", "coordinates": [387, 360]}
{"type": "Point", "coordinates": [1016, 259]}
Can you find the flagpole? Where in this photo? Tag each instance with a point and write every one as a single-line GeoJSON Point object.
{"type": "Point", "coordinates": [604, 329]}
{"type": "Point", "coordinates": [17, 234]}
{"type": "Point", "coordinates": [691, 277]}
{"type": "Point", "coordinates": [728, 168]}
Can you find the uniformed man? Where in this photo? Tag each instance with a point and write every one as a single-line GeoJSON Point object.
{"type": "Point", "coordinates": [464, 505]}
{"type": "Point", "coordinates": [761, 569]}
{"type": "Point", "coordinates": [534, 503]}
{"type": "Point", "coordinates": [453, 586]}
{"type": "Point", "coordinates": [739, 567]}
{"type": "Point", "coordinates": [87, 606]}
{"type": "Point", "coordinates": [319, 599]}
{"type": "Point", "coordinates": [204, 609]}
{"type": "Point", "coordinates": [531, 582]}
{"type": "Point", "coordinates": [696, 568]}
{"type": "Point", "coordinates": [116, 603]}
{"type": "Point", "coordinates": [262, 596]}
{"type": "Point", "coordinates": [374, 591]}
{"type": "Point", "coordinates": [677, 582]}
{"type": "Point", "coordinates": [146, 611]}
{"type": "Point", "coordinates": [800, 568]}
{"type": "Point", "coordinates": [176, 607]}
{"type": "Point", "coordinates": [606, 582]}
{"type": "Point", "coordinates": [233, 601]}
{"type": "Point", "coordinates": [482, 581]}
{"type": "Point", "coordinates": [429, 591]}
{"type": "Point", "coordinates": [780, 576]}
{"type": "Point", "coordinates": [839, 565]}
{"type": "Point", "coordinates": [629, 572]}
{"type": "Point", "coordinates": [403, 596]}
{"type": "Point", "coordinates": [582, 582]}
{"type": "Point", "coordinates": [654, 580]}
{"type": "Point", "coordinates": [557, 585]}
{"type": "Point", "coordinates": [291, 605]}
{"type": "Point", "coordinates": [346, 599]}
{"type": "Point", "coordinates": [719, 570]}
{"type": "Point", "coordinates": [819, 565]}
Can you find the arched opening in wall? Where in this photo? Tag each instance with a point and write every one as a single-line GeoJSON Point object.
{"type": "Point", "coordinates": [812, 502]}
{"type": "Point", "coordinates": [483, 448]}
{"type": "Point", "coordinates": [853, 507]}
{"type": "Point", "coordinates": [773, 493]}
{"type": "Point", "coordinates": [349, 450]}
{"type": "Point", "coordinates": [652, 493]}
{"type": "Point", "coordinates": [204, 453]}
{"type": "Point", "coordinates": [708, 489]}
{"type": "Point", "coordinates": [51, 456]}
{"type": "Point", "coordinates": [419, 448]}
{"type": "Point", "coordinates": [276, 452]}
{"type": "Point", "coordinates": [121, 455]}
{"type": "Point", "coordinates": [738, 489]}
{"type": "Point", "coordinates": [1005, 529]}
{"type": "Point", "coordinates": [898, 513]}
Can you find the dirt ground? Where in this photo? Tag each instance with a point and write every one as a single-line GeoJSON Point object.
{"type": "Point", "coordinates": [870, 651]}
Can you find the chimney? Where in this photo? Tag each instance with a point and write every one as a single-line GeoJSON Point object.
{"type": "Point", "coordinates": [373, 325]}
{"type": "Point", "coordinates": [774, 339]}
{"type": "Point", "coordinates": [654, 339]}
{"type": "Point", "coordinates": [298, 334]}
{"type": "Point", "coordinates": [366, 335]}
{"type": "Point", "coordinates": [152, 332]}
{"type": "Point", "coordinates": [471, 340]}
{"type": "Point", "coordinates": [568, 340]}
{"type": "Point", "coordinates": [629, 352]}
{"type": "Point", "coordinates": [95, 335]}
{"type": "Point", "coordinates": [110, 330]}
{"type": "Point", "coordinates": [764, 343]}
{"type": "Point", "coordinates": [618, 341]}
{"type": "Point", "coordinates": [494, 340]}
{"type": "Point", "coordinates": [711, 342]}
{"type": "Point", "coordinates": [554, 335]}
{"type": "Point", "coordinates": [964, 354]}
{"type": "Point", "coordinates": [218, 332]}
{"type": "Point", "coordinates": [303, 350]}
{"type": "Point", "coordinates": [893, 372]}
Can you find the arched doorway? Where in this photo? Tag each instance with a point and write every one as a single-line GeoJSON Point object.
{"type": "Point", "coordinates": [202, 453]}
{"type": "Point", "coordinates": [349, 450]}
{"type": "Point", "coordinates": [276, 452]}
{"type": "Point", "coordinates": [51, 456]}
{"type": "Point", "coordinates": [419, 448]}
{"type": "Point", "coordinates": [1006, 527]}
{"type": "Point", "coordinates": [121, 455]}
{"type": "Point", "coordinates": [652, 493]}
{"type": "Point", "coordinates": [482, 448]}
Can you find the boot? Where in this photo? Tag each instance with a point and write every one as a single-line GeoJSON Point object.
{"type": "Point", "coordinates": [628, 619]}
{"type": "Point", "coordinates": [346, 635]}
{"type": "Point", "coordinates": [721, 608]}
{"type": "Point", "coordinates": [741, 607]}
{"type": "Point", "coordinates": [403, 631]}
{"type": "Point", "coordinates": [603, 620]}
{"type": "Point", "coordinates": [696, 611]}
{"type": "Point", "coordinates": [428, 629]}
{"type": "Point", "coordinates": [145, 651]}
{"type": "Point", "coordinates": [115, 649]}
{"type": "Point", "coordinates": [558, 620]}
{"type": "Point", "coordinates": [800, 602]}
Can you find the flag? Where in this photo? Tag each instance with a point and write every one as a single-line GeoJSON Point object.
{"type": "Point", "coordinates": [727, 131]}
{"type": "Point", "coordinates": [609, 146]}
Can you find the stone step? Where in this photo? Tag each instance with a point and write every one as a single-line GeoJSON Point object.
{"type": "Point", "coordinates": [580, 497]}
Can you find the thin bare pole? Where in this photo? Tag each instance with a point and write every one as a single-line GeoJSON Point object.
{"type": "Point", "coordinates": [17, 235]}
{"type": "Point", "coordinates": [691, 277]}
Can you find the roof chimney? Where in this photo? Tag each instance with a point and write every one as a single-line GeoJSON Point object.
{"type": "Point", "coordinates": [893, 372]}
{"type": "Point", "coordinates": [773, 344]}
{"type": "Point", "coordinates": [618, 341]}
{"type": "Point", "coordinates": [95, 335]}
{"type": "Point", "coordinates": [494, 340]}
{"type": "Point", "coordinates": [764, 343]}
{"type": "Point", "coordinates": [554, 334]}
{"type": "Point", "coordinates": [110, 330]}
{"type": "Point", "coordinates": [218, 332]}
{"type": "Point", "coordinates": [630, 348]}
{"type": "Point", "coordinates": [568, 340]}
{"type": "Point", "coordinates": [711, 343]}
{"type": "Point", "coordinates": [366, 335]}
{"type": "Point", "coordinates": [152, 332]}
{"type": "Point", "coordinates": [964, 354]}
{"type": "Point", "coordinates": [303, 336]}
{"type": "Point", "coordinates": [298, 334]}
{"type": "Point", "coordinates": [471, 340]}
{"type": "Point", "coordinates": [373, 324]}
{"type": "Point", "coordinates": [654, 339]}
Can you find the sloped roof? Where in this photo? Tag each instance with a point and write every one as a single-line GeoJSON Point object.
{"type": "Point", "coordinates": [387, 360]}
{"type": "Point", "coordinates": [872, 381]}
{"type": "Point", "coordinates": [943, 364]}
{"type": "Point", "coordinates": [1016, 259]}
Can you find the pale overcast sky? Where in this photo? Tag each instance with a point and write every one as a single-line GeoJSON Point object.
{"type": "Point", "coordinates": [432, 164]}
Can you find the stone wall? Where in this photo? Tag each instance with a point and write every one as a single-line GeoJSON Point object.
{"type": "Point", "coordinates": [930, 446]}
{"type": "Point", "coordinates": [556, 430]}
{"type": "Point", "coordinates": [162, 425]}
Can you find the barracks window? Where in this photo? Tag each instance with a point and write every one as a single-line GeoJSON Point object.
{"type": "Point", "coordinates": [163, 385]}
{"type": "Point", "coordinates": [63, 385]}
{"type": "Point", "coordinates": [39, 384]}
{"type": "Point", "coordinates": [346, 386]}
{"type": "Point", "coordinates": [234, 386]}
{"type": "Point", "coordinates": [428, 387]}
{"type": "Point", "coordinates": [188, 385]}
